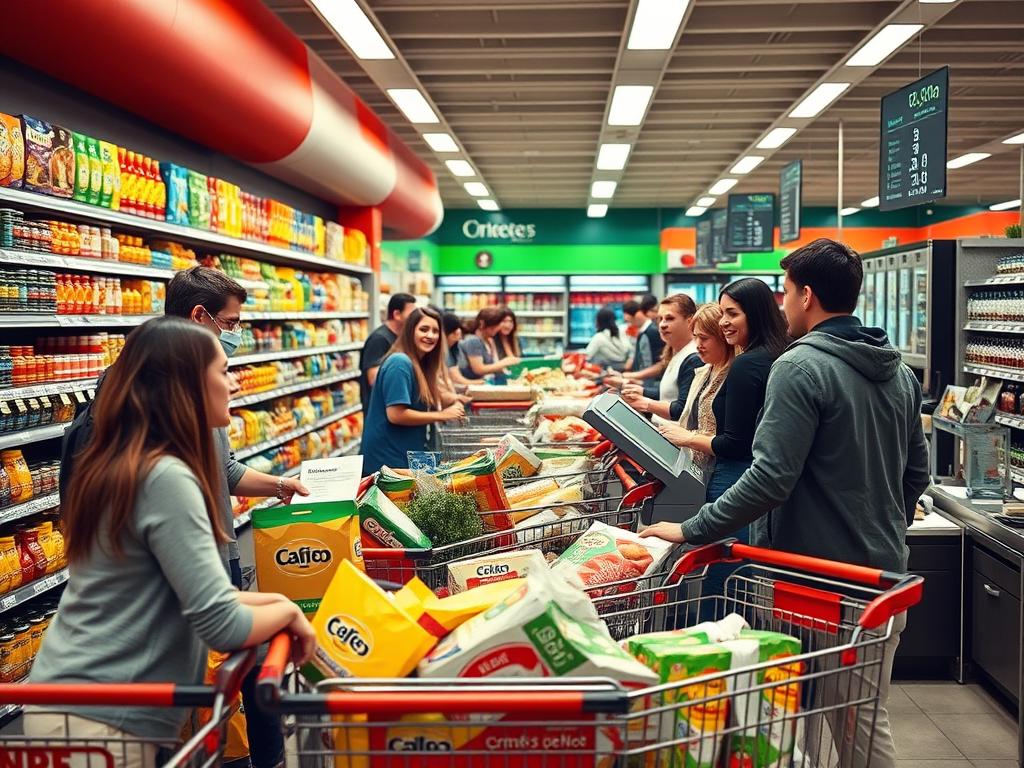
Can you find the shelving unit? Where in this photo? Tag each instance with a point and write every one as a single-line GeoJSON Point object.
{"type": "Point", "coordinates": [1010, 420]}
{"type": "Point", "coordinates": [251, 316]}
{"type": "Point", "coordinates": [995, 372]}
{"type": "Point", "coordinates": [18, 258]}
{"type": "Point", "coordinates": [47, 390]}
{"type": "Point", "coordinates": [994, 327]}
{"type": "Point", "coordinates": [23, 594]}
{"type": "Point", "coordinates": [30, 507]}
{"type": "Point", "coordinates": [289, 354]}
{"type": "Point", "coordinates": [26, 320]}
{"type": "Point", "coordinates": [34, 435]}
{"type": "Point", "coordinates": [266, 445]}
{"type": "Point", "coordinates": [291, 389]}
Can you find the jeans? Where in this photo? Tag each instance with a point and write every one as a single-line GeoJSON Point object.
{"type": "Point", "coordinates": [725, 474]}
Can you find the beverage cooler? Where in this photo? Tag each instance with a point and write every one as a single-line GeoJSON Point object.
{"type": "Point", "coordinates": [589, 293]}
{"type": "Point", "coordinates": [539, 302]}
{"type": "Point", "coordinates": [468, 294]}
{"type": "Point", "coordinates": [704, 286]}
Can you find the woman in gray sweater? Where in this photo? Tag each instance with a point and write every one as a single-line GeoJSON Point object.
{"type": "Point", "coordinates": [148, 594]}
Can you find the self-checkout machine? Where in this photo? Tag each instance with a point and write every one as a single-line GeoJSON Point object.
{"type": "Point", "coordinates": [682, 490]}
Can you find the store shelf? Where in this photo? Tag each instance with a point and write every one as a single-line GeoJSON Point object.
{"type": "Point", "coordinates": [253, 450]}
{"type": "Point", "coordinates": [249, 316]}
{"type": "Point", "coordinates": [541, 334]}
{"type": "Point", "coordinates": [1010, 420]}
{"type": "Point", "coordinates": [40, 390]}
{"type": "Point", "coordinates": [34, 435]}
{"type": "Point", "coordinates": [995, 372]}
{"type": "Point", "coordinates": [82, 264]}
{"type": "Point", "coordinates": [287, 354]}
{"type": "Point", "coordinates": [22, 595]}
{"type": "Point", "coordinates": [34, 320]}
{"type": "Point", "coordinates": [538, 313]}
{"type": "Point", "coordinates": [270, 253]}
{"type": "Point", "coordinates": [1017, 475]}
{"type": "Point", "coordinates": [1001, 280]}
{"type": "Point", "coordinates": [291, 389]}
{"type": "Point", "coordinates": [30, 507]}
{"type": "Point", "coordinates": [994, 327]}
{"type": "Point", "coordinates": [245, 518]}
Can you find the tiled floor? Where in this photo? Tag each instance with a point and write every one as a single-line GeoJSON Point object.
{"type": "Point", "coordinates": [945, 725]}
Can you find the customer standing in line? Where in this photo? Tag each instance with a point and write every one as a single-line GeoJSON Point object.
{"type": "Point", "coordinates": [608, 348]}
{"type": "Point", "coordinates": [407, 396]}
{"type": "Point", "coordinates": [815, 490]}
{"type": "Point", "coordinates": [479, 350]}
{"type": "Point", "coordinates": [455, 358]}
{"type": "Point", "coordinates": [679, 357]}
{"type": "Point", "coordinates": [506, 340]}
{"type": "Point", "coordinates": [142, 524]}
{"type": "Point", "coordinates": [378, 343]}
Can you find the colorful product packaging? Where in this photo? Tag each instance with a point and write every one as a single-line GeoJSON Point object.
{"type": "Point", "coordinates": [606, 554]}
{"type": "Point", "coordinates": [38, 136]}
{"type": "Point", "coordinates": [12, 151]}
{"type": "Point", "coordinates": [385, 525]}
{"type": "Point", "coordinates": [81, 192]}
{"type": "Point", "coordinates": [471, 574]}
{"type": "Point", "coordinates": [110, 196]}
{"type": "Point", "coordinates": [396, 486]}
{"type": "Point", "coordinates": [92, 147]}
{"type": "Point", "coordinates": [515, 459]}
{"type": "Point", "coordinates": [478, 476]}
{"type": "Point", "coordinates": [176, 180]}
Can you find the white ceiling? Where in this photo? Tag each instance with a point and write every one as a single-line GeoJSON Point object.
{"type": "Point", "coordinates": [524, 83]}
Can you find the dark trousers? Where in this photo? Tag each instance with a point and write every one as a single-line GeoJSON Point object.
{"type": "Point", "coordinates": [724, 475]}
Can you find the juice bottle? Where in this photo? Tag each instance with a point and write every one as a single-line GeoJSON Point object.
{"type": "Point", "coordinates": [19, 474]}
{"type": "Point", "coordinates": [30, 542]}
{"type": "Point", "coordinates": [7, 660]}
{"type": "Point", "coordinates": [127, 187]}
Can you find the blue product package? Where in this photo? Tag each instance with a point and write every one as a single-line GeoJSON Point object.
{"type": "Point", "coordinates": [176, 182]}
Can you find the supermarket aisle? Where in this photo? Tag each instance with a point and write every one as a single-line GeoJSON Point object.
{"type": "Point", "coordinates": [953, 726]}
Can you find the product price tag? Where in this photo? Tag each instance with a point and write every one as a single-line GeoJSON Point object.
{"type": "Point", "coordinates": [41, 586]}
{"type": "Point", "coordinates": [9, 602]}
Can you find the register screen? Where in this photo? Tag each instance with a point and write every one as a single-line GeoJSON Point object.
{"type": "Point", "coordinates": [644, 432]}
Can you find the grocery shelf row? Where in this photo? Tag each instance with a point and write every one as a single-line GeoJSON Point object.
{"type": "Point", "coordinates": [23, 594]}
{"type": "Point", "coordinates": [40, 320]}
{"type": "Point", "coordinates": [266, 445]}
{"type": "Point", "coordinates": [994, 326]}
{"type": "Point", "coordinates": [1010, 420]}
{"type": "Point", "coordinates": [995, 372]}
{"type": "Point", "coordinates": [542, 334]}
{"type": "Point", "coordinates": [82, 264]}
{"type": "Point", "coordinates": [287, 354]}
{"type": "Point", "coordinates": [291, 389]}
{"type": "Point", "coordinates": [34, 435]}
{"type": "Point", "coordinates": [248, 316]}
{"type": "Point", "coordinates": [202, 238]}
{"type": "Point", "coordinates": [46, 390]}
{"type": "Point", "coordinates": [30, 507]}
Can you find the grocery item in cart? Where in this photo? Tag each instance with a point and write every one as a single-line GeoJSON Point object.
{"type": "Point", "coordinates": [300, 546]}
{"type": "Point", "coordinates": [385, 525]}
{"type": "Point", "coordinates": [440, 615]}
{"type": "Point", "coordinates": [478, 476]}
{"type": "Point", "coordinates": [491, 393]}
{"type": "Point", "coordinates": [12, 151]}
{"type": "Point", "coordinates": [558, 406]}
{"type": "Point", "coordinates": [515, 459]}
{"type": "Point", "coordinates": [569, 429]}
{"type": "Point", "coordinates": [606, 554]}
{"type": "Point", "coordinates": [551, 529]}
{"type": "Point", "coordinates": [729, 628]}
{"type": "Point", "coordinates": [571, 467]}
{"type": "Point", "coordinates": [503, 566]}
{"type": "Point", "coordinates": [559, 501]}
{"type": "Point", "coordinates": [527, 494]}
{"type": "Point", "coordinates": [397, 485]}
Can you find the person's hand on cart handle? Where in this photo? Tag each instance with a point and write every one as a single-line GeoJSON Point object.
{"type": "Point", "coordinates": [665, 531]}
{"type": "Point", "coordinates": [303, 638]}
{"type": "Point", "coordinates": [453, 412]}
{"type": "Point", "coordinates": [676, 434]}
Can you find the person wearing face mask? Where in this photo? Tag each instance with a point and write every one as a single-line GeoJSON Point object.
{"type": "Point", "coordinates": [407, 396]}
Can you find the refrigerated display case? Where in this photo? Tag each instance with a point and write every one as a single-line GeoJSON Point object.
{"type": "Point", "coordinates": [589, 293]}
{"type": "Point", "coordinates": [704, 286]}
{"type": "Point", "coordinates": [466, 295]}
{"type": "Point", "coordinates": [539, 302]}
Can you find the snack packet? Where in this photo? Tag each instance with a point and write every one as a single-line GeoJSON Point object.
{"type": "Point", "coordinates": [605, 554]}
{"type": "Point", "coordinates": [515, 459]}
{"type": "Point", "coordinates": [431, 611]}
{"type": "Point", "coordinates": [729, 628]}
{"type": "Point", "coordinates": [385, 525]}
{"type": "Point", "coordinates": [478, 475]}
{"type": "Point", "coordinates": [472, 574]}
{"type": "Point", "coordinates": [12, 151]}
{"type": "Point", "coordinates": [396, 485]}
{"type": "Point", "coordinates": [299, 547]}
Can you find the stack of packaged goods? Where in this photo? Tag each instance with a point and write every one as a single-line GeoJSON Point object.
{"type": "Point", "coordinates": [252, 427]}
{"type": "Point", "coordinates": [21, 633]}
{"type": "Point", "coordinates": [300, 334]}
{"type": "Point", "coordinates": [58, 358]}
{"type": "Point", "coordinates": [21, 481]}
{"type": "Point", "coordinates": [254, 379]}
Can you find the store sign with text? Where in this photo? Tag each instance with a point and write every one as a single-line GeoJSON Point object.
{"type": "Point", "coordinates": [507, 231]}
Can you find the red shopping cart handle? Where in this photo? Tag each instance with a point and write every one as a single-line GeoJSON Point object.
{"type": "Point", "coordinates": [504, 405]}
{"type": "Point", "coordinates": [397, 553]}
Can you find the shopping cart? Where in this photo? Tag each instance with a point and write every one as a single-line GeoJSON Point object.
{"type": "Point", "coordinates": [817, 707]}
{"type": "Point", "coordinates": [485, 423]}
{"type": "Point", "coordinates": [204, 748]}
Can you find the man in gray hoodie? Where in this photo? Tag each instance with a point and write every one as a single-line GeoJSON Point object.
{"type": "Point", "coordinates": [840, 458]}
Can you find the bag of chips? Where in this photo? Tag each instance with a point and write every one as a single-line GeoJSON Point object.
{"type": "Point", "coordinates": [397, 485]}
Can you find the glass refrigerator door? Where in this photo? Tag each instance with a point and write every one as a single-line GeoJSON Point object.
{"type": "Point", "coordinates": [891, 298]}
{"type": "Point", "coordinates": [701, 293]}
{"type": "Point", "coordinates": [539, 303]}
{"type": "Point", "coordinates": [879, 294]}
{"type": "Point", "coordinates": [468, 294]}
{"type": "Point", "coordinates": [862, 302]}
{"type": "Point", "coordinates": [919, 343]}
{"type": "Point", "coordinates": [589, 293]}
{"type": "Point", "coordinates": [905, 311]}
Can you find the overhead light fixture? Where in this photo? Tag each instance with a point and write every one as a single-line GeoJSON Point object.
{"type": "Point", "coordinates": [476, 188]}
{"type": "Point", "coordinates": [655, 24]}
{"type": "Point", "coordinates": [603, 189]}
{"type": "Point", "coordinates": [886, 40]}
{"type": "Point", "coordinates": [1018, 139]}
{"type": "Point", "coordinates": [936, 2]}
{"type": "Point", "coordinates": [817, 100]}
{"type": "Point", "coordinates": [747, 164]}
{"type": "Point", "coordinates": [706, 202]}
{"type": "Point", "coordinates": [441, 142]}
{"type": "Point", "coordinates": [871, 202]}
{"type": "Point", "coordinates": [413, 105]}
{"type": "Point", "coordinates": [487, 205]}
{"type": "Point", "coordinates": [629, 104]}
{"type": "Point", "coordinates": [597, 210]}
{"type": "Point", "coordinates": [460, 167]}
{"type": "Point", "coordinates": [970, 157]}
{"type": "Point", "coordinates": [775, 138]}
{"type": "Point", "coordinates": [1008, 205]}
{"type": "Point", "coordinates": [349, 22]}
{"type": "Point", "coordinates": [848, 211]}
{"type": "Point", "coordinates": [695, 210]}
{"type": "Point", "coordinates": [722, 186]}
{"type": "Point", "coordinates": [612, 157]}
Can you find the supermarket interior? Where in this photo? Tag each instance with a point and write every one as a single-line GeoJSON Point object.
{"type": "Point", "coordinates": [539, 429]}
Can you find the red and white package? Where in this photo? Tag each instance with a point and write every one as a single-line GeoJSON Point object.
{"type": "Point", "coordinates": [606, 555]}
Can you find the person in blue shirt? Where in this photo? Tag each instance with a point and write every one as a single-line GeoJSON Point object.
{"type": "Point", "coordinates": [407, 396]}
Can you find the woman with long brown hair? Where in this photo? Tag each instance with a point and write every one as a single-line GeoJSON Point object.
{"type": "Point", "coordinates": [479, 350]}
{"type": "Point", "coordinates": [148, 592]}
{"type": "Point", "coordinates": [506, 340]}
{"type": "Point", "coordinates": [407, 396]}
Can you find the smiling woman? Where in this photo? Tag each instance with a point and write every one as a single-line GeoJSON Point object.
{"type": "Point", "coordinates": [406, 397]}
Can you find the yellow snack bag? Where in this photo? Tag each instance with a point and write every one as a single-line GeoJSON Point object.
{"type": "Point", "coordinates": [361, 632]}
{"type": "Point", "coordinates": [299, 547]}
{"type": "Point", "coordinates": [417, 599]}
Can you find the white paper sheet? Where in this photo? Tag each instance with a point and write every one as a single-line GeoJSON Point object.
{"type": "Point", "coordinates": [331, 479]}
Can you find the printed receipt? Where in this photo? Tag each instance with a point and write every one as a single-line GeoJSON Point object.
{"type": "Point", "coordinates": [330, 479]}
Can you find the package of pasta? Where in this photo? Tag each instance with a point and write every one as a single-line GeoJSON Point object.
{"type": "Point", "coordinates": [515, 459]}
{"type": "Point", "coordinates": [478, 476]}
{"type": "Point", "coordinates": [397, 485]}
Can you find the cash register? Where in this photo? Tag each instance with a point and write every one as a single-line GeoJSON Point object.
{"type": "Point", "coordinates": [683, 491]}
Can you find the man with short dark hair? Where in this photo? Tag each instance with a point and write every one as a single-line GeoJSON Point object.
{"type": "Point", "coordinates": [378, 343]}
{"type": "Point", "coordinates": [645, 366]}
{"type": "Point", "coordinates": [840, 458]}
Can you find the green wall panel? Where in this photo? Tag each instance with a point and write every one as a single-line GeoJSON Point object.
{"type": "Point", "coordinates": [553, 259]}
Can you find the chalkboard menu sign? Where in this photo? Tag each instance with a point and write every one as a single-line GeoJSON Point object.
{"type": "Point", "coordinates": [912, 147]}
{"type": "Point", "coordinates": [719, 219]}
{"type": "Point", "coordinates": [751, 223]}
{"type": "Point", "coordinates": [704, 242]}
{"type": "Point", "coordinates": [791, 182]}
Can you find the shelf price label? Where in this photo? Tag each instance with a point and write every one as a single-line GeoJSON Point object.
{"type": "Point", "coordinates": [9, 601]}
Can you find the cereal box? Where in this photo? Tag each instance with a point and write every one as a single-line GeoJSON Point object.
{"type": "Point", "coordinates": [12, 151]}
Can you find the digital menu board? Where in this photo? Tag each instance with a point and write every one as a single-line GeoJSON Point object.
{"type": "Point", "coordinates": [719, 219]}
{"type": "Point", "coordinates": [791, 182]}
{"type": "Point", "coordinates": [912, 145]}
{"type": "Point", "coordinates": [704, 242]}
{"type": "Point", "coordinates": [751, 223]}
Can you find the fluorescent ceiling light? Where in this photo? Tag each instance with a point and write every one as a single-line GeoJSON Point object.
{"type": "Point", "coordinates": [349, 22]}
{"type": "Point", "coordinates": [775, 138]}
{"type": "Point", "coordinates": [460, 167]}
{"type": "Point", "coordinates": [816, 101]}
{"type": "Point", "coordinates": [1018, 139]}
{"type": "Point", "coordinates": [487, 205]}
{"type": "Point", "coordinates": [655, 24]}
{"type": "Point", "coordinates": [937, 2]}
{"type": "Point", "coordinates": [597, 210]}
{"type": "Point", "coordinates": [883, 43]}
{"type": "Point", "coordinates": [706, 202]}
{"type": "Point", "coordinates": [848, 211]}
{"type": "Point", "coordinates": [441, 142]}
{"type": "Point", "coordinates": [695, 211]}
{"type": "Point", "coordinates": [612, 157]}
{"type": "Point", "coordinates": [476, 188]}
{"type": "Point", "coordinates": [970, 157]}
{"type": "Point", "coordinates": [603, 189]}
{"type": "Point", "coordinates": [629, 104]}
{"type": "Point", "coordinates": [413, 105]}
{"type": "Point", "coordinates": [747, 164]}
{"type": "Point", "coordinates": [722, 186]}
{"type": "Point", "coordinates": [871, 202]}
{"type": "Point", "coordinates": [1008, 205]}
